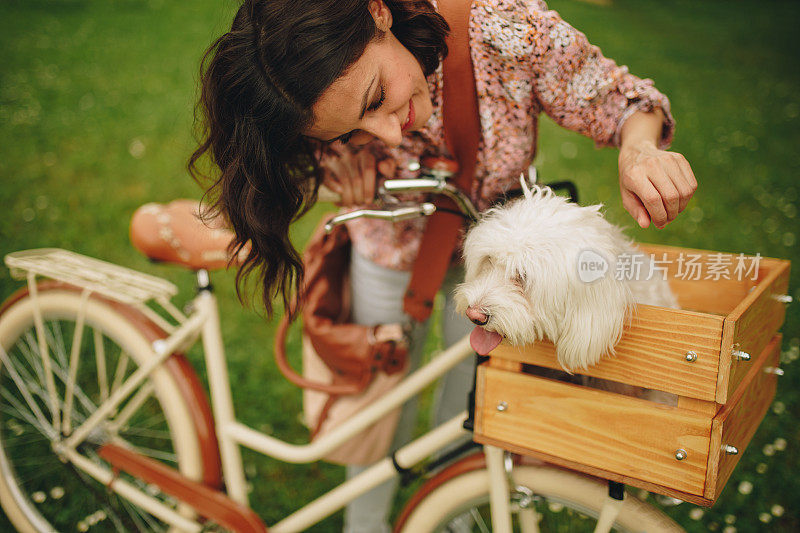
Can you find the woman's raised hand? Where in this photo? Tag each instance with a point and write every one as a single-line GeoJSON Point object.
{"type": "Point", "coordinates": [655, 184]}
{"type": "Point", "coordinates": [352, 173]}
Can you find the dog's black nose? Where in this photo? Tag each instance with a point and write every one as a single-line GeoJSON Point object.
{"type": "Point", "coordinates": [477, 316]}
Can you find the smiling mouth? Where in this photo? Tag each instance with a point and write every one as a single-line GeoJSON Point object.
{"type": "Point", "coordinates": [410, 118]}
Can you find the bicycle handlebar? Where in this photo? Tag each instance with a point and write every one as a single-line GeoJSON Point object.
{"type": "Point", "coordinates": [433, 181]}
{"type": "Point", "coordinates": [391, 209]}
{"type": "Point", "coordinates": [394, 215]}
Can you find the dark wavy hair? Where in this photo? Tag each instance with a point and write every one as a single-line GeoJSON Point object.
{"type": "Point", "coordinates": [258, 84]}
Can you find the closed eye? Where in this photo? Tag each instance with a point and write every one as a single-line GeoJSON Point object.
{"type": "Point", "coordinates": [375, 106]}
{"type": "Point", "coordinates": [345, 138]}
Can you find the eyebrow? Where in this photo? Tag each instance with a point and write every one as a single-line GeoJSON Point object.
{"type": "Point", "coordinates": [366, 97]}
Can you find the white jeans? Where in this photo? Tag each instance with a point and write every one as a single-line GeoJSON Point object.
{"type": "Point", "coordinates": [377, 298]}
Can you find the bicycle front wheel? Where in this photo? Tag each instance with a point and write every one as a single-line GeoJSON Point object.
{"type": "Point", "coordinates": [40, 404]}
{"type": "Point", "coordinates": [552, 500]}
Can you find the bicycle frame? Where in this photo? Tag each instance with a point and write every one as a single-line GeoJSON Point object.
{"type": "Point", "coordinates": [134, 289]}
{"type": "Point", "coordinates": [203, 323]}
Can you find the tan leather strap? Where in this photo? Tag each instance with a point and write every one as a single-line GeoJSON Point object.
{"type": "Point", "coordinates": [462, 135]}
{"type": "Point", "coordinates": [334, 389]}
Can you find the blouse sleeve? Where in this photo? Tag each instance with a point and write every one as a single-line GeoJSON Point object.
{"type": "Point", "coordinates": [576, 85]}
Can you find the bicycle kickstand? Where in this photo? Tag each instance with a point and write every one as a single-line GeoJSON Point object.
{"type": "Point", "coordinates": [611, 507]}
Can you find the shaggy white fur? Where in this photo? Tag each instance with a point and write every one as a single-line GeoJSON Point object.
{"type": "Point", "coordinates": [535, 270]}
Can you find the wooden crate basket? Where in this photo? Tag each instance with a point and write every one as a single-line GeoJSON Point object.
{"type": "Point", "coordinates": [717, 354]}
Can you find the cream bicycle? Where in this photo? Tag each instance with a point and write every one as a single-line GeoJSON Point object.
{"type": "Point", "coordinates": [104, 425]}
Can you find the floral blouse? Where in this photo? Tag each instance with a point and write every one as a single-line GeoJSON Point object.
{"type": "Point", "coordinates": [527, 60]}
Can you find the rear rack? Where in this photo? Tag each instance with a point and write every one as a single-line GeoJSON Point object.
{"type": "Point", "coordinates": [107, 279]}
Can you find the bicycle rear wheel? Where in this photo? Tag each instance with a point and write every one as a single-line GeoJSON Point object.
{"type": "Point", "coordinates": [563, 501]}
{"type": "Point", "coordinates": [41, 491]}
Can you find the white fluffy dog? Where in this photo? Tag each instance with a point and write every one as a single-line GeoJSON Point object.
{"type": "Point", "coordinates": [542, 267]}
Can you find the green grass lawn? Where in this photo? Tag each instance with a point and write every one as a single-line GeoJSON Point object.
{"type": "Point", "coordinates": [96, 102]}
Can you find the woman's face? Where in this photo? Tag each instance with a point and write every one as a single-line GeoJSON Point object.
{"type": "Point", "coordinates": [381, 96]}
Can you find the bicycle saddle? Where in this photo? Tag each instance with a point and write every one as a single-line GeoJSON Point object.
{"type": "Point", "coordinates": [174, 233]}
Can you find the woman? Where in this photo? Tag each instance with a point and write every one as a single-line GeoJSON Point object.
{"type": "Point", "coordinates": [348, 92]}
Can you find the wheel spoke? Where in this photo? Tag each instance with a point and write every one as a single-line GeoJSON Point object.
{"type": "Point", "coordinates": [74, 356]}
{"type": "Point", "coordinates": [149, 433]}
{"type": "Point", "coordinates": [61, 374]}
{"type": "Point", "coordinates": [38, 472]}
{"type": "Point", "coordinates": [122, 368]}
{"type": "Point", "coordinates": [149, 452]}
{"type": "Point", "coordinates": [43, 426]}
{"type": "Point", "coordinates": [20, 413]}
{"type": "Point", "coordinates": [43, 351]}
{"type": "Point", "coordinates": [25, 439]}
{"type": "Point", "coordinates": [30, 350]}
{"type": "Point", "coordinates": [132, 406]}
{"type": "Point", "coordinates": [140, 518]}
{"type": "Point", "coordinates": [100, 358]}
{"type": "Point", "coordinates": [476, 516]}
{"type": "Point", "coordinates": [154, 420]}
{"type": "Point", "coordinates": [56, 342]}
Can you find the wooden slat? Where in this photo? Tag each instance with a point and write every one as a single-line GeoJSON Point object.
{"type": "Point", "coordinates": [717, 296]}
{"type": "Point", "coordinates": [651, 353]}
{"type": "Point", "coordinates": [621, 434]}
{"type": "Point", "coordinates": [714, 452]}
{"type": "Point", "coordinates": [701, 406]}
{"type": "Point", "coordinates": [752, 324]}
{"type": "Point", "coordinates": [597, 472]}
{"type": "Point", "coordinates": [738, 420]}
{"type": "Point", "coordinates": [505, 364]}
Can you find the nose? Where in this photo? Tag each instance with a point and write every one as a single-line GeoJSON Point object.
{"type": "Point", "coordinates": [477, 316]}
{"type": "Point", "coordinates": [385, 127]}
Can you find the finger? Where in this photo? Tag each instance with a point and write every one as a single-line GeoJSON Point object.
{"type": "Point", "coordinates": [370, 179]}
{"type": "Point", "coordinates": [368, 174]}
{"type": "Point", "coordinates": [687, 170]}
{"type": "Point", "coordinates": [387, 167]}
{"type": "Point", "coordinates": [665, 188]}
{"type": "Point", "coordinates": [688, 174]}
{"type": "Point", "coordinates": [675, 174]}
{"type": "Point", "coordinates": [344, 174]}
{"type": "Point", "coordinates": [632, 183]}
{"type": "Point", "coordinates": [650, 198]}
{"type": "Point", "coordinates": [333, 186]}
{"type": "Point", "coordinates": [357, 180]}
{"type": "Point", "coordinates": [346, 183]}
{"type": "Point", "coordinates": [635, 208]}
{"type": "Point", "coordinates": [680, 179]}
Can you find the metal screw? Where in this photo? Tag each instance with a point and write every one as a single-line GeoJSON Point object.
{"type": "Point", "coordinates": [680, 454]}
{"type": "Point", "coordinates": [773, 370]}
{"type": "Point", "coordinates": [738, 354]}
{"type": "Point", "coordinates": [502, 406]}
{"type": "Point", "coordinates": [730, 450]}
{"type": "Point", "coordinates": [783, 298]}
{"type": "Point", "coordinates": [691, 356]}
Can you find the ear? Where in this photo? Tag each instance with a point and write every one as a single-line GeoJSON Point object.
{"type": "Point", "coordinates": [593, 323]}
{"type": "Point", "coordinates": [381, 14]}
